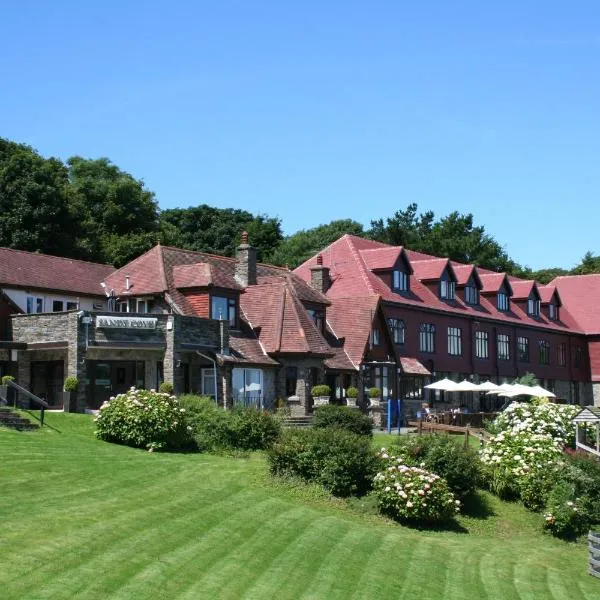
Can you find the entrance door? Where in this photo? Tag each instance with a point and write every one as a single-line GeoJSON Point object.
{"type": "Point", "coordinates": [109, 378]}
{"type": "Point", "coordinates": [47, 379]}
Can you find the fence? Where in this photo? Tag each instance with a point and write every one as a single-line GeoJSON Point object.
{"type": "Point", "coordinates": [594, 548]}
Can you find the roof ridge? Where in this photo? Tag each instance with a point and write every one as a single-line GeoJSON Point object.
{"type": "Point", "coordinates": [79, 260]}
{"type": "Point", "coordinates": [161, 266]}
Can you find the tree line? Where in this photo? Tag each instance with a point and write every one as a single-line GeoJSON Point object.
{"type": "Point", "coordinates": [92, 210]}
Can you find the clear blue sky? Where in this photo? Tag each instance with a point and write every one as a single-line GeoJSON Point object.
{"type": "Point", "coordinates": [318, 110]}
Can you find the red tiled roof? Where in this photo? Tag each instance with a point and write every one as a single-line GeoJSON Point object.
{"type": "Point", "coordinates": [381, 259]}
{"type": "Point", "coordinates": [581, 294]}
{"type": "Point", "coordinates": [464, 273]}
{"type": "Point", "coordinates": [351, 280]}
{"type": "Point", "coordinates": [412, 366]}
{"type": "Point", "coordinates": [246, 349]}
{"type": "Point", "coordinates": [431, 269]}
{"type": "Point", "coordinates": [41, 271]}
{"type": "Point", "coordinates": [522, 288]}
{"type": "Point", "coordinates": [547, 292]}
{"type": "Point", "coordinates": [191, 276]}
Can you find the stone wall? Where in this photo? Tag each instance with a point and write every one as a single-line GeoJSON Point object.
{"type": "Point", "coordinates": [595, 393]}
{"type": "Point", "coordinates": [303, 382]}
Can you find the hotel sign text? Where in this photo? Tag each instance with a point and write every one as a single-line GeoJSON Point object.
{"type": "Point", "coordinates": [125, 323]}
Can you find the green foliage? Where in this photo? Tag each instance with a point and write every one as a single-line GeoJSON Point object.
{"type": "Point", "coordinates": [352, 392]}
{"type": "Point", "coordinates": [218, 230]}
{"type": "Point", "coordinates": [143, 419]}
{"type": "Point", "coordinates": [590, 263]}
{"type": "Point", "coordinates": [564, 517]}
{"type": "Point", "coordinates": [535, 487]}
{"type": "Point", "coordinates": [412, 494]}
{"type": "Point", "coordinates": [528, 379]}
{"type": "Point", "coordinates": [342, 417]}
{"type": "Point", "coordinates": [6, 379]}
{"type": "Point", "coordinates": [71, 384]}
{"type": "Point", "coordinates": [374, 392]}
{"type": "Point", "coordinates": [442, 455]}
{"type": "Point", "coordinates": [166, 387]}
{"type": "Point", "coordinates": [214, 428]}
{"type": "Point", "coordinates": [320, 390]}
{"type": "Point", "coordinates": [342, 462]}
{"type": "Point", "coordinates": [303, 244]}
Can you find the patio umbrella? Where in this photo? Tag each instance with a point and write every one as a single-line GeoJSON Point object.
{"type": "Point", "coordinates": [445, 385]}
{"type": "Point", "coordinates": [466, 386]}
{"type": "Point", "coordinates": [502, 390]}
{"type": "Point", "coordinates": [488, 386]}
{"type": "Point", "coordinates": [538, 390]}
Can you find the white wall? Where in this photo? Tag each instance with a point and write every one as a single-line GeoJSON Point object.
{"type": "Point", "coordinates": [19, 297]}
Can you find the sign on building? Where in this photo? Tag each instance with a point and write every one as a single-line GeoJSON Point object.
{"type": "Point", "coordinates": [110, 322]}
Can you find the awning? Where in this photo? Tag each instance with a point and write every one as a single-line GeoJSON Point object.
{"type": "Point", "coordinates": [411, 366]}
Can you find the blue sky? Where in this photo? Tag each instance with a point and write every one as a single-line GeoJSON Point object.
{"type": "Point", "coordinates": [318, 110]}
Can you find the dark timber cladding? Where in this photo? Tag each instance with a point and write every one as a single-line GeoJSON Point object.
{"type": "Point", "coordinates": [109, 353]}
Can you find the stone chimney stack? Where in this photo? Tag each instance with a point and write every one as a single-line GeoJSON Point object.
{"type": "Point", "coordinates": [245, 268]}
{"type": "Point", "coordinates": [319, 276]}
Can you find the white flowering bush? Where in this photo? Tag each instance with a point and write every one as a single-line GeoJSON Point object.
{"type": "Point", "coordinates": [511, 457]}
{"type": "Point", "coordinates": [409, 493]}
{"type": "Point", "coordinates": [143, 419]}
{"type": "Point", "coordinates": [555, 420]}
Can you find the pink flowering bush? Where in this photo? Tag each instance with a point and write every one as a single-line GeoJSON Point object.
{"type": "Point", "coordinates": [412, 494]}
{"type": "Point", "coordinates": [143, 419]}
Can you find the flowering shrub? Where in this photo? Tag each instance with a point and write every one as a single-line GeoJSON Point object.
{"type": "Point", "coordinates": [408, 493]}
{"type": "Point", "coordinates": [554, 420]}
{"type": "Point", "coordinates": [144, 419]}
{"type": "Point", "coordinates": [510, 457]}
{"type": "Point", "coordinates": [564, 517]}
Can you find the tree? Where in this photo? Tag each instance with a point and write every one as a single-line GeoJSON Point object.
{"type": "Point", "coordinates": [589, 264]}
{"type": "Point", "coordinates": [118, 217]}
{"type": "Point", "coordinates": [34, 211]}
{"type": "Point", "coordinates": [303, 244]}
{"type": "Point", "coordinates": [218, 230]}
{"type": "Point", "coordinates": [454, 236]}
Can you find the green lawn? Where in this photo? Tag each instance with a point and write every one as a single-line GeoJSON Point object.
{"type": "Point", "coordinates": [86, 519]}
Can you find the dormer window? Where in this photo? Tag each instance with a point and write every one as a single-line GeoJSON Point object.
{"type": "Point", "coordinates": [533, 307]}
{"type": "Point", "coordinates": [503, 302]}
{"type": "Point", "coordinates": [471, 294]}
{"type": "Point", "coordinates": [400, 281]}
{"type": "Point", "coordinates": [224, 309]}
{"type": "Point", "coordinates": [318, 316]}
{"type": "Point", "coordinates": [553, 312]}
{"type": "Point", "coordinates": [447, 289]}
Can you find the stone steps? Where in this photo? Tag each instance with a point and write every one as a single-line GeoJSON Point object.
{"type": "Point", "coordinates": [305, 421]}
{"type": "Point", "coordinates": [13, 420]}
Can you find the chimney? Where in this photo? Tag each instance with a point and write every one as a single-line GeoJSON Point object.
{"type": "Point", "coordinates": [245, 268]}
{"type": "Point", "coordinates": [319, 276]}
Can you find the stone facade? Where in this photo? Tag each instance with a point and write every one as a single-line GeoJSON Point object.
{"type": "Point", "coordinates": [595, 393]}
{"type": "Point", "coordinates": [310, 372]}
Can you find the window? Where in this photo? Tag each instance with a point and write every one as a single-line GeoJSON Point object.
{"type": "Point", "coordinates": [533, 307]}
{"type": "Point", "coordinates": [375, 334]}
{"type": "Point", "coordinates": [427, 337]}
{"type": "Point", "coordinates": [57, 305]}
{"type": "Point", "coordinates": [471, 294]}
{"type": "Point", "coordinates": [447, 289]}
{"type": "Point", "coordinates": [400, 282]}
{"type": "Point", "coordinates": [75, 305]}
{"type": "Point", "coordinates": [123, 306]}
{"type": "Point", "coordinates": [144, 305]}
{"type": "Point", "coordinates": [291, 379]}
{"type": "Point", "coordinates": [561, 354]}
{"type": "Point", "coordinates": [247, 386]}
{"type": "Point", "coordinates": [503, 346]}
{"type": "Point", "coordinates": [544, 348]}
{"type": "Point", "coordinates": [208, 382]}
{"type": "Point", "coordinates": [503, 303]}
{"type": "Point", "coordinates": [397, 329]}
{"type": "Point", "coordinates": [454, 341]}
{"type": "Point", "coordinates": [35, 304]}
{"type": "Point", "coordinates": [578, 357]}
{"type": "Point", "coordinates": [553, 312]}
{"type": "Point", "coordinates": [523, 349]}
{"type": "Point", "coordinates": [318, 316]}
{"type": "Point", "coordinates": [224, 309]}
{"type": "Point", "coordinates": [482, 348]}
{"type": "Point", "coordinates": [382, 381]}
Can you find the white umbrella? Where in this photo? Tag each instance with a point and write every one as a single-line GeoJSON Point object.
{"type": "Point", "coordinates": [488, 386]}
{"type": "Point", "coordinates": [502, 390]}
{"type": "Point", "coordinates": [445, 385]}
{"type": "Point", "coordinates": [466, 386]}
{"type": "Point", "coordinates": [538, 390]}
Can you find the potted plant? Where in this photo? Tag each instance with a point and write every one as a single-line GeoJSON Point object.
{"type": "Point", "coordinates": [351, 396]}
{"type": "Point", "coordinates": [6, 392]}
{"type": "Point", "coordinates": [374, 397]}
{"type": "Point", "coordinates": [320, 394]}
{"type": "Point", "coordinates": [70, 387]}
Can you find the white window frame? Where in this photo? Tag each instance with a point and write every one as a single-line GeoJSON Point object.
{"type": "Point", "coordinates": [208, 375]}
{"type": "Point", "coordinates": [447, 289]}
{"type": "Point", "coordinates": [454, 341]}
{"type": "Point", "coordinates": [399, 281]}
{"type": "Point", "coordinates": [503, 302]}
{"type": "Point", "coordinates": [37, 305]}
